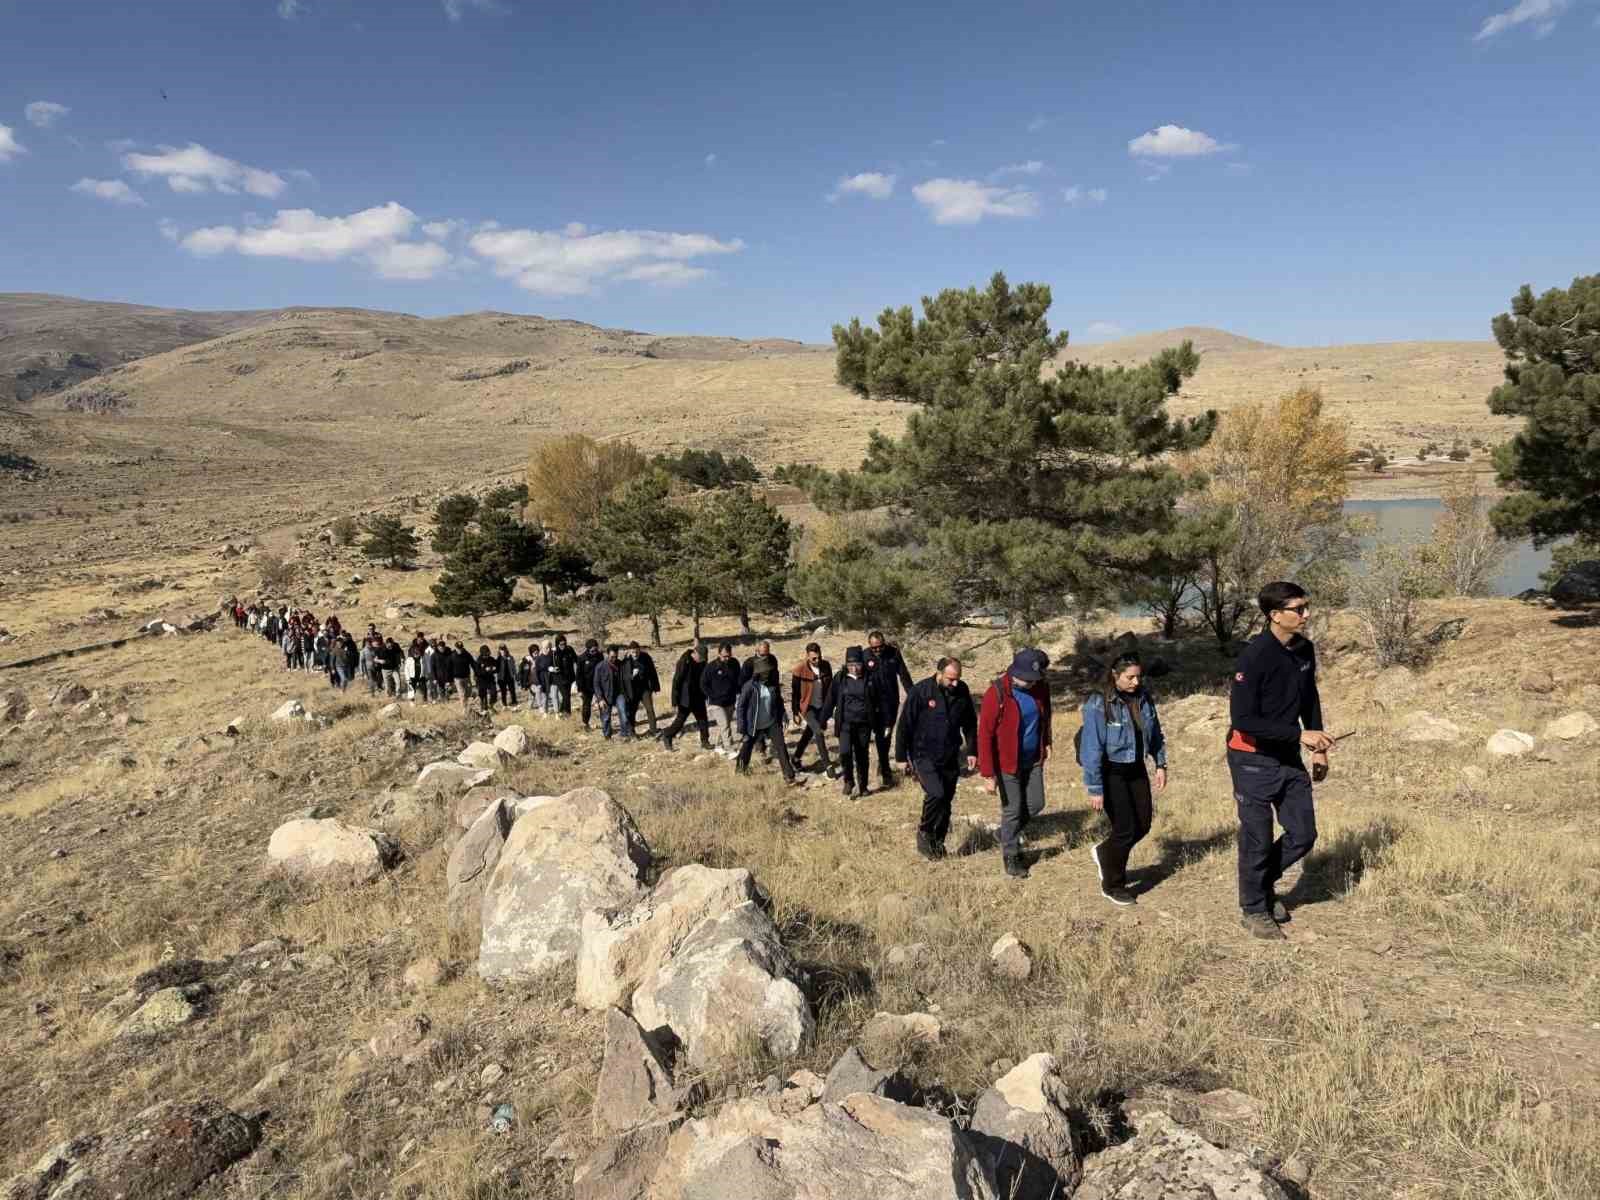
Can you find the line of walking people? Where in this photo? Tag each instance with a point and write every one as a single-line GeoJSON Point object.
{"type": "Point", "coordinates": [936, 730]}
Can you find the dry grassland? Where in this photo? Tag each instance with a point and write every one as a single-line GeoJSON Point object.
{"type": "Point", "coordinates": [1430, 1030]}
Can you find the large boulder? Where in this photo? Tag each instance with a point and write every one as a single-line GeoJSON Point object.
{"type": "Point", "coordinates": [862, 1146]}
{"type": "Point", "coordinates": [466, 808]}
{"type": "Point", "coordinates": [451, 777]}
{"type": "Point", "coordinates": [1509, 743]}
{"type": "Point", "coordinates": [329, 851]}
{"type": "Point", "coordinates": [1168, 1160]}
{"type": "Point", "coordinates": [636, 1083]}
{"type": "Point", "coordinates": [728, 983]}
{"type": "Point", "coordinates": [621, 1167]}
{"type": "Point", "coordinates": [167, 1152]}
{"type": "Point", "coordinates": [1579, 584]}
{"type": "Point", "coordinates": [852, 1074]}
{"type": "Point", "coordinates": [569, 855]}
{"type": "Point", "coordinates": [1022, 1125]}
{"type": "Point", "coordinates": [1574, 727]}
{"type": "Point", "coordinates": [619, 949]}
{"type": "Point", "coordinates": [483, 756]}
{"type": "Point", "coordinates": [472, 860]}
{"type": "Point", "coordinates": [289, 710]}
{"type": "Point", "coordinates": [513, 740]}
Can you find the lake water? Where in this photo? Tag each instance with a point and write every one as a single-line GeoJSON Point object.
{"type": "Point", "coordinates": [1413, 519]}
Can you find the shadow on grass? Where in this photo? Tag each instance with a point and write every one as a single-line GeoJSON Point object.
{"type": "Point", "coordinates": [830, 959]}
{"type": "Point", "coordinates": [1333, 868]}
{"type": "Point", "coordinates": [1174, 855]}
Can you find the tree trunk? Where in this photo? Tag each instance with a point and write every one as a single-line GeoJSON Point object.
{"type": "Point", "coordinates": [477, 627]}
{"type": "Point", "coordinates": [744, 623]}
{"type": "Point", "coordinates": [655, 630]}
{"type": "Point", "coordinates": [697, 623]}
{"type": "Point", "coordinates": [544, 590]}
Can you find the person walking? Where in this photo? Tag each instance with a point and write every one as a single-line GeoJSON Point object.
{"type": "Point", "coordinates": [461, 674]}
{"type": "Point", "coordinates": [886, 665]}
{"type": "Point", "coordinates": [763, 654]}
{"type": "Point", "coordinates": [587, 662]}
{"type": "Point", "coordinates": [810, 682]}
{"type": "Point", "coordinates": [853, 707]}
{"type": "Point", "coordinates": [417, 672]}
{"type": "Point", "coordinates": [527, 676]}
{"type": "Point", "coordinates": [1013, 745]}
{"type": "Point", "coordinates": [608, 691]}
{"type": "Point", "coordinates": [640, 683]}
{"type": "Point", "coordinates": [719, 683]}
{"type": "Point", "coordinates": [393, 661]}
{"type": "Point", "coordinates": [935, 721]}
{"type": "Point", "coordinates": [1274, 711]}
{"type": "Point", "coordinates": [758, 712]}
{"type": "Point", "coordinates": [689, 697]}
{"type": "Point", "coordinates": [349, 660]}
{"type": "Point", "coordinates": [1121, 728]}
{"type": "Point", "coordinates": [505, 676]}
{"type": "Point", "coordinates": [563, 673]}
{"type": "Point", "coordinates": [442, 659]}
{"type": "Point", "coordinates": [486, 672]}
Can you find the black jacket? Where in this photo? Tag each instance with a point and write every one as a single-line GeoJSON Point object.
{"type": "Point", "coordinates": [606, 680]}
{"type": "Point", "coordinates": [747, 671]}
{"type": "Point", "coordinates": [1274, 696]}
{"type": "Point", "coordinates": [587, 662]}
{"type": "Point", "coordinates": [505, 668]}
{"type": "Point", "coordinates": [563, 665]}
{"type": "Point", "coordinates": [853, 701]}
{"type": "Point", "coordinates": [460, 664]}
{"type": "Point", "coordinates": [639, 676]}
{"type": "Point", "coordinates": [934, 724]}
{"type": "Point", "coordinates": [392, 657]}
{"type": "Point", "coordinates": [441, 663]}
{"type": "Point", "coordinates": [348, 656]}
{"type": "Point", "coordinates": [720, 682]}
{"type": "Point", "coordinates": [542, 673]}
{"type": "Point", "coordinates": [889, 669]}
{"type": "Point", "coordinates": [687, 690]}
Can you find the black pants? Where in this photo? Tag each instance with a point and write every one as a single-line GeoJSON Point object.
{"type": "Point", "coordinates": [774, 735]}
{"type": "Point", "coordinates": [698, 712]}
{"type": "Point", "coordinates": [1263, 788]}
{"type": "Point", "coordinates": [508, 692]}
{"type": "Point", "coordinates": [588, 707]}
{"type": "Point", "coordinates": [1128, 812]}
{"type": "Point", "coordinates": [855, 741]}
{"type": "Point", "coordinates": [814, 729]}
{"type": "Point", "coordinates": [880, 734]}
{"type": "Point", "coordinates": [564, 697]}
{"type": "Point", "coordinates": [486, 694]}
{"type": "Point", "coordinates": [938, 791]}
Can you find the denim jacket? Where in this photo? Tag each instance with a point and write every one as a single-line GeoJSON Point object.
{"type": "Point", "coordinates": [1115, 739]}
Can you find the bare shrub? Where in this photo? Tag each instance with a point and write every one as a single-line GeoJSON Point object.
{"type": "Point", "coordinates": [344, 530]}
{"type": "Point", "coordinates": [277, 573]}
{"type": "Point", "coordinates": [1466, 552]}
{"type": "Point", "coordinates": [1384, 597]}
{"type": "Point", "coordinates": [595, 612]}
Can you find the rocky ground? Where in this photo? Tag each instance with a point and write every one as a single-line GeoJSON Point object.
{"type": "Point", "coordinates": [343, 963]}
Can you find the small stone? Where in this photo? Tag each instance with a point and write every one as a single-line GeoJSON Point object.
{"type": "Point", "coordinates": [1295, 1170]}
{"type": "Point", "coordinates": [906, 957]}
{"type": "Point", "coordinates": [1574, 727]}
{"type": "Point", "coordinates": [491, 1075]}
{"type": "Point", "coordinates": [1509, 743]}
{"type": "Point", "coordinates": [424, 974]}
{"type": "Point", "coordinates": [1010, 958]}
{"type": "Point", "coordinates": [1538, 681]}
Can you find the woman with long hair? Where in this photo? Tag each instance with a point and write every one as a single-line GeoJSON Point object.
{"type": "Point", "coordinates": [1120, 730]}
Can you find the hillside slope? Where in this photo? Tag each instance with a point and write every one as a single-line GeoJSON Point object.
{"type": "Point", "coordinates": [51, 342]}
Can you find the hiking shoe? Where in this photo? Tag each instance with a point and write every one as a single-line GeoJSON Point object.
{"type": "Point", "coordinates": [1016, 867]}
{"type": "Point", "coordinates": [1094, 853]}
{"type": "Point", "coordinates": [1278, 909]}
{"type": "Point", "coordinates": [846, 790]}
{"type": "Point", "coordinates": [1261, 925]}
{"type": "Point", "coordinates": [666, 742]}
{"type": "Point", "coordinates": [1119, 896]}
{"type": "Point", "coordinates": [925, 847]}
{"type": "Point", "coordinates": [939, 852]}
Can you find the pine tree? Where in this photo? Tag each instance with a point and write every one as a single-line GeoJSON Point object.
{"type": "Point", "coordinates": [389, 540]}
{"type": "Point", "coordinates": [1552, 349]}
{"type": "Point", "coordinates": [1020, 488]}
{"type": "Point", "coordinates": [520, 545]}
{"type": "Point", "coordinates": [634, 541]}
{"type": "Point", "coordinates": [563, 570]}
{"type": "Point", "coordinates": [736, 556]}
{"type": "Point", "coordinates": [505, 498]}
{"type": "Point", "coordinates": [450, 517]}
{"type": "Point", "coordinates": [475, 580]}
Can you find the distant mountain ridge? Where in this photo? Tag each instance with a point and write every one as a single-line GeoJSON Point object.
{"type": "Point", "coordinates": [1140, 346]}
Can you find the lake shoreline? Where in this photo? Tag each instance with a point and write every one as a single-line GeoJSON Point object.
{"type": "Point", "coordinates": [1418, 481]}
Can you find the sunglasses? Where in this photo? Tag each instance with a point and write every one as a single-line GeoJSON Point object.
{"type": "Point", "coordinates": [1298, 610]}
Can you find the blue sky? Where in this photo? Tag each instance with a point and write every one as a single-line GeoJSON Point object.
{"type": "Point", "coordinates": [1300, 173]}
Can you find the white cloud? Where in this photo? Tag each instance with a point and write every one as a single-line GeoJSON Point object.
{"type": "Point", "coordinates": [1104, 329]}
{"type": "Point", "coordinates": [45, 113]}
{"type": "Point", "coordinates": [1038, 123]}
{"type": "Point", "coordinates": [966, 201]}
{"type": "Point", "coordinates": [121, 145]}
{"type": "Point", "coordinates": [439, 230]}
{"type": "Point", "coordinates": [301, 174]}
{"type": "Point", "coordinates": [1032, 167]}
{"type": "Point", "coordinates": [113, 190]}
{"type": "Point", "coordinates": [375, 235]}
{"type": "Point", "coordinates": [711, 160]}
{"type": "Point", "coordinates": [9, 146]}
{"type": "Point", "coordinates": [573, 260]}
{"type": "Point", "coordinates": [456, 9]}
{"type": "Point", "coordinates": [1174, 141]}
{"type": "Point", "coordinates": [1082, 197]}
{"type": "Point", "coordinates": [196, 169]}
{"type": "Point", "coordinates": [169, 229]}
{"type": "Point", "coordinates": [872, 184]}
{"type": "Point", "coordinates": [1542, 14]}
{"type": "Point", "coordinates": [290, 9]}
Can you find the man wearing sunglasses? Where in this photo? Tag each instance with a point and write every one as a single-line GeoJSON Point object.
{"type": "Point", "coordinates": [1274, 711]}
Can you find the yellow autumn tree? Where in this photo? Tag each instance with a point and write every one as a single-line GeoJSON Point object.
{"type": "Point", "coordinates": [1276, 484]}
{"type": "Point", "coordinates": [571, 476]}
